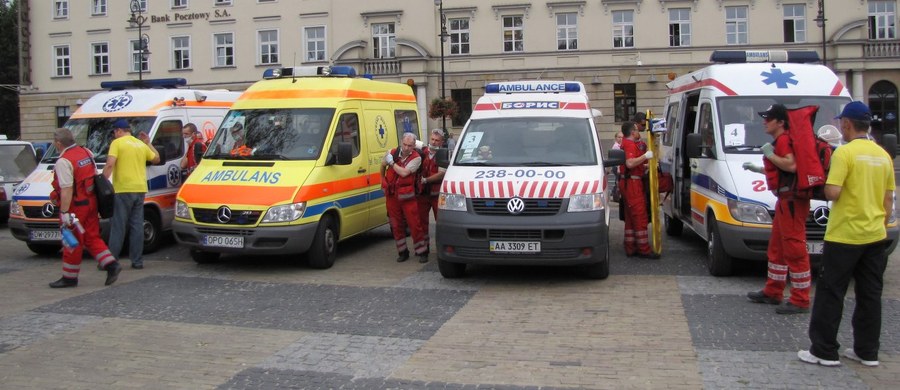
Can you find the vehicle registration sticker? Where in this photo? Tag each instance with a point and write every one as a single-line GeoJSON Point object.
{"type": "Point", "coordinates": [814, 248]}
{"type": "Point", "coordinates": [515, 246]}
{"type": "Point", "coordinates": [45, 235]}
{"type": "Point", "coordinates": [222, 241]}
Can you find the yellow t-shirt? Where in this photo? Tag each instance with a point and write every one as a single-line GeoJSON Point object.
{"type": "Point", "coordinates": [130, 173]}
{"type": "Point", "coordinates": [864, 171]}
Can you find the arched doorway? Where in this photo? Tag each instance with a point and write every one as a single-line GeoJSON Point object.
{"type": "Point", "coordinates": [883, 103]}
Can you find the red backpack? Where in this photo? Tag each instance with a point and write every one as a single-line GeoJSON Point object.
{"type": "Point", "coordinates": [812, 154]}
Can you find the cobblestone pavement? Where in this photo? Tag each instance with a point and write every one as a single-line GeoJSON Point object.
{"type": "Point", "coordinates": [372, 323]}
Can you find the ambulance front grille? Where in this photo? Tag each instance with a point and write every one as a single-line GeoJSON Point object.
{"type": "Point", "coordinates": [37, 212]}
{"type": "Point", "coordinates": [497, 206]}
{"type": "Point", "coordinates": [546, 253]}
{"type": "Point", "coordinates": [238, 217]}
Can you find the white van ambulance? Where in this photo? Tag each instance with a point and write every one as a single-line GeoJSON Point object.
{"type": "Point", "coordinates": [713, 129]}
{"type": "Point", "coordinates": [159, 109]}
{"type": "Point", "coordinates": [295, 166]}
{"type": "Point", "coordinates": [526, 184]}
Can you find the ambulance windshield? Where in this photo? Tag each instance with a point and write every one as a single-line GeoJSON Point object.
{"type": "Point", "coordinates": [271, 134]}
{"type": "Point", "coordinates": [537, 141]}
{"type": "Point", "coordinates": [742, 130]}
{"type": "Point", "coordinates": [97, 133]}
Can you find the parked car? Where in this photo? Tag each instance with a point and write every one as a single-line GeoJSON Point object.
{"type": "Point", "coordinates": [17, 160]}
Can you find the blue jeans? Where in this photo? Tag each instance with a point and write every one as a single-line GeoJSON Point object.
{"type": "Point", "coordinates": [129, 210]}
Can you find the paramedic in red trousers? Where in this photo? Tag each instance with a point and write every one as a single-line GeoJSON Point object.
{"type": "Point", "coordinates": [787, 247]}
{"type": "Point", "coordinates": [399, 183]}
{"type": "Point", "coordinates": [73, 181]}
{"type": "Point", "coordinates": [861, 186]}
{"type": "Point", "coordinates": [432, 176]}
{"type": "Point", "coordinates": [637, 240]}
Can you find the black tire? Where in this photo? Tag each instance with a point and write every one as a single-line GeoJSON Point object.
{"type": "Point", "coordinates": [203, 257]}
{"type": "Point", "coordinates": [673, 226]}
{"type": "Point", "coordinates": [43, 249]}
{"type": "Point", "coordinates": [718, 263]}
{"type": "Point", "coordinates": [451, 270]}
{"type": "Point", "coordinates": [599, 271]}
{"type": "Point", "coordinates": [152, 228]}
{"type": "Point", "coordinates": [323, 251]}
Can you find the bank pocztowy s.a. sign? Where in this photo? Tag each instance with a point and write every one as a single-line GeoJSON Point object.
{"type": "Point", "coordinates": [189, 16]}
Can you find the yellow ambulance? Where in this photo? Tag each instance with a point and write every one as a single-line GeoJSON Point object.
{"type": "Point", "coordinates": [295, 166]}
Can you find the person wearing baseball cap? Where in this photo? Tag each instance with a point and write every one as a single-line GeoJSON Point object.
{"type": "Point", "coordinates": [857, 110]}
{"type": "Point", "coordinates": [776, 112]}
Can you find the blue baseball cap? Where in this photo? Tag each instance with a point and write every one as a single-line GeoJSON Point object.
{"type": "Point", "coordinates": [121, 124]}
{"type": "Point", "coordinates": [857, 111]}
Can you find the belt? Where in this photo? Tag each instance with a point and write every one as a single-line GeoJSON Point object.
{"type": "Point", "coordinates": [635, 177]}
{"type": "Point", "coordinates": [82, 202]}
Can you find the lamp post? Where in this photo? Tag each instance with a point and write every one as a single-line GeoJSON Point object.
{"type": "Point", "coordinates": [443, 35]}
{"type": "Point", "coordinates": [138, 19]}
{"type": "Point", "coordinates": [820, 21]}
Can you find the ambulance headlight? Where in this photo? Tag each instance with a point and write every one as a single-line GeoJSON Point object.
{"type": "Point", "coordinates": [452, 202]}
{"type": "Point", "coordinates": [182, 210]}
{"type": "Point", "coordinates": [749, 212]}
{"type": "Point", "coordinates": [586, 202]}
{"type": "Point", "coordinates": [285, 213]}
{"type": "Point", "coordinates": [14, 208]}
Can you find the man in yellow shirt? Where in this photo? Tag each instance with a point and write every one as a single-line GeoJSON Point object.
{"type": "Point", "coordinates": [126, 162]}
{"type": "Point", "coordinates": [860, 185]}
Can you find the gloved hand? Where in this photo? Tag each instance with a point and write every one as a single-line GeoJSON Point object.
{"type": "Point", "coordinates": [648, 155]}
{"type": "Point", "coordinates": [424, 180]}
{"type": "Point", "coordinates": [67, 219]}
{"type": "Point", "coordinates": [767, 149]}
{"type": "Point", "coordinates": [752, 167]}
{"type": "Point", "coordinates": [389, 158]}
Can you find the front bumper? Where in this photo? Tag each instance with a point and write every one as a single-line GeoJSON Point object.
{"type": "Point", "coordinates": [275, 240]}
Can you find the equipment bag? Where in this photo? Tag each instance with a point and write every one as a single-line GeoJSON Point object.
{"type": "Point", "coordinates": [105, 193]}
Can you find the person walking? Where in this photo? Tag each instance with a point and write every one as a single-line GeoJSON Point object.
{"type": "Point", "coordinates": [73, 194]}
{"type": "Point", "coordinates": [787, 248]}
{"type": "Point", "coordinates": [126, 162]}
{"type": "Point", "coordinates": [637, 240]}
{"type": "Point", "coordinates": [861, 186]}
{"type": "Point", "coordinates": [399, 183]}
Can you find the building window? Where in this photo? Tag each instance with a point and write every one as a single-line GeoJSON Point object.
{"type": "Point", "coordinates": [567, 31]}
{"type": "Point", "coordinates": [794, 23]}
{"type": "Point", "coordinates": [98, 7]}
{"type": "Point", "coordinates": [513, 34]}
{"type": "Point", "coordinates": [882, 19]}
{"type": "Point", "coordinates": [62, 115]}
{"type": "Point", "coordinates": [623, 28]}
{"type": "Point", "coordinates": [100, 55]}
{"type": "Point", "coordinates": [384, 40]}
{"type": "Point", "coordinates": [625, 101]}
{"type": "Point", "coordinates": [60, 9]}
{"type": "Point", "coordinates": [62, 61]}
{"type": "Point", "coordinates": [181, 53]}
{"type": "Point", "coordinates": [268, 47]}
{"type": "Point", "coordinates": [224, 49]}
{"type": "Point", "coordinates": [179, 3]}
{"type": "Point", "coordinates": [463, 99]}
{"type": "Point", "coordinates": [315, 43]}
{"type": "Point", "coordinates": [139, 61]}
{"type": "Point", "coordinates": [143, 5]}
{"type": "Point", "coordinates": [679, 27]}
{"type": "Point", "coordinates": [459, 35]}
{"type": "Point", "coordinates": [736, 25]}
{"type": "Point", "coordinates": [223, 2]}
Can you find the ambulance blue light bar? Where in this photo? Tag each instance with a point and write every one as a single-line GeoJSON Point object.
{"type": "Point", "coordinates": [747, 56]}
{"type": "Point", "coordinates": [152, 83]}
{"type": "Point", "coordinates": [532, 87]}
{"type": "Point", "coordinates": [306, 71]}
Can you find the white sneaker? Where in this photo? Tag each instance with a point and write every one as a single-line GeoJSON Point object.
{"type": "Point", "coordinates": [808, 357]}
{"type": "Point", "coordinates": [849, 353]}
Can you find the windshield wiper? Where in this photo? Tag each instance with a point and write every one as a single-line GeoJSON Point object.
{"type": "Point", "coordinates": [742, 147]}
{"type": "Point", "coordinates": [476, 164]}
{"type": "Point", "coordinates": [270, 156]}
{"type": "Point", "coordinates": [546, 164]}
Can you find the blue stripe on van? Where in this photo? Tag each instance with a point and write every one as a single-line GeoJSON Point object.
{"type": "Point", "coordinates": [704, 181]}
{"type": "Point", "coordinates": [19, 197]}
{"type": "Point", "coordinates": [156, 183]}
{"type": "Point", "coordinates": [340, 203]}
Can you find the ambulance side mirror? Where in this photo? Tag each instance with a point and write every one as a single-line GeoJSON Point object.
{"type": "Point", "coordinates": [692, 146]}
{"type": "Point", "coordinates": [889, 143]}
{"type": "Point", "coordinates": [442, 157]}
{"type": "Point", "coordinates": [615, 157]}
{"type": "Point", "coordinates": [344, 155]}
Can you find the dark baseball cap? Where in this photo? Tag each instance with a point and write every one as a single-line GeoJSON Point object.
{"type": "Point", "coordinates": [121, 124]}
{"type": "Point", "coordinates": [857, 111]}
{"type": "Point", "coordinates": [775, 111]}
{"type": "Point", "coordinates": [639, 116]}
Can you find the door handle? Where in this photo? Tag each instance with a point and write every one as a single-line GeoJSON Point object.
{"type": "Point", "coordinates": [361, 170]}
{"type": "Point", "coordinates": [694, 165]}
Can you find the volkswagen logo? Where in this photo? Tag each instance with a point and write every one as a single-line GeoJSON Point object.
{"type": "Point", "coordinates": [48, 210]}
{"type": "Point", "coordinates": [515, 206]}
{"type": "Point", "coordinates": [223, 214]}
{"type": "Point", "coordinates": [820, 215]}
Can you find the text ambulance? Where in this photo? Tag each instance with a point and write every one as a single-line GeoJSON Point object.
{"type": "Point", "coordinates": [714, 128]}
{"type": "Point", "coordinates": [160, 110]}
{"type": "Point", "coordinates": [526, 184]}
{"type": "Point", "coordinates": [295, 166]}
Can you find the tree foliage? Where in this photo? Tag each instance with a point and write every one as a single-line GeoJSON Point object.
{"type": "Point", "coordinates": [9, 68]}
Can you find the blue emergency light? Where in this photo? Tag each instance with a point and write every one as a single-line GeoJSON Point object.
{"type": "Point", "coordinates": [532, 87]}
{"type": "Point", "coordinates": [152, 83]}
{"type": "Point", "coordinates": [306, 71]}
{"type": "Point", "coordinates": [749, 56]}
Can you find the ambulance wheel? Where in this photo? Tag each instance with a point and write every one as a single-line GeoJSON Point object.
{"type": "Point", "coordinates": [718, 262]}
{"type": "Point", "coordinates": [203, 257]}
{"type": "Point", "coordinates": [152, 227]}
{"type": "Point", "coordinates": [673, 226]}
{"type": "Point", "coordinates": [323, 250]}
{"type": "Point", "coordinates": [451, 270]}
{"type": "Point", "coordinates": [44, 250]}
{"type": "Point", "coordinates": [599, 270]}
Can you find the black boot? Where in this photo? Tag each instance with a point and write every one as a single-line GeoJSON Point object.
{"type": "Point", "coordinates": [112, 272]}
{"type": "Point", "coordinates": [64, 282]}
{"type": "Point", "coordinates": [403, 256]}
{"type": "Point", "coordinates": [423, 258]}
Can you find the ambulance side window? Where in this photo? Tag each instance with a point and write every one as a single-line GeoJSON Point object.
{"type": "Point", "coordinates": [169, 141]}
{"type": "Point", "coordinates": [671, 124]}
{"type": "Point", "coordinates": [407, 122]}
{"type": "Point", "coordinates": [706, 131]}
{"type": "Point", "coordinates": [347, 130]}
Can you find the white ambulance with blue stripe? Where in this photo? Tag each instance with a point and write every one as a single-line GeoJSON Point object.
{"type": "Point", "coordinates": [526, 183]}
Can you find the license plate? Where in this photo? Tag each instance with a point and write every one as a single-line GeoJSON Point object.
{"type": "Point", "coordinates": [45, 235]}
{"type": "Point", "coordinates": [814, 248]}
{"type": "Point", "coordinates": [516, 246]}
{"type": "Point", "coordinates": [223, 241]}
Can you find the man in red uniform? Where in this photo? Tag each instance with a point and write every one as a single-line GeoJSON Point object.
{"type": "Point", "coordinates": [73, 186]}
{"type": "Point", "coordinates": [432, 176]}
{"type": "Point", "coordinates": [787, 248]}
{"type": "Point", "coordinates": [637, 241]}
{"type": "Point", "coordinates": [399, 183]}
{"type": "Point", "coordinates": [195, 148]}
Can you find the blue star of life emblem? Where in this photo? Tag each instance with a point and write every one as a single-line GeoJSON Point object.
{"type": "Point", "coordinates": [117, 103]}
{"type": "Point", "coordinates": [781, 80]}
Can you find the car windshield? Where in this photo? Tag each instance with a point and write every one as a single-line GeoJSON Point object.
{"type": "Point", "coordinates": [272, 134]}
{"type": "Point", "coordinates": [538, 141]}
{"type": "Point", "coordinates": [16, 162]}
{"type": "Point", "coordinates": [743, 130]}
{"type": "Point", "coordinates": [97, 133]}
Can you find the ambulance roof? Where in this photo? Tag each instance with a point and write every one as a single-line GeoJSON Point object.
{"type": "Point", "coordinates": [148, 102]}
{"type": "Point", "coordinates": [533, 98]}
{"type": "Point", "coordinates": [765, 79]}
{"type": "Point", "coordinates": [320, 91]}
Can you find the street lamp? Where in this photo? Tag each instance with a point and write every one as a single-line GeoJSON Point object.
{"type": "Point", "coordinates": [820, 21]}
{"type": "Point", "coordinates": [138, 19]}
{"type": "Point", "coordinates": [443, 35]}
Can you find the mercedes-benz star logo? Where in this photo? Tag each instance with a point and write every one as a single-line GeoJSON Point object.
{"type": "Point", "coordinates": [820, 215]}
{"type": "Point", "coordinates": [48, 210]}
{"type": "Point", "coordinates": [223, 214]}
{"type": "Point", "coordinates": [515, 206]}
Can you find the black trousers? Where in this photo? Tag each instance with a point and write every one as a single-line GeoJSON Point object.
{"type": "Point", "coordinates": [865, 264]}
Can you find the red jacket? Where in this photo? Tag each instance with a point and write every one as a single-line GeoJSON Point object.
{"type": "Point", "coordinates": [83, 175]}
{"type": "Point", "coordinates": [394, 184]}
